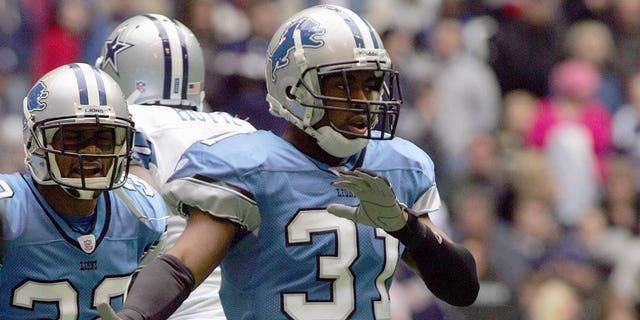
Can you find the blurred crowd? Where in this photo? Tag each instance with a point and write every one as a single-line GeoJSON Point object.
{"type": "Point", "coordinates": [530, 110]}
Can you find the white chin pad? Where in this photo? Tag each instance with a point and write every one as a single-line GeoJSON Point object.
{"type": "Point", "coordinates": [338, 145]}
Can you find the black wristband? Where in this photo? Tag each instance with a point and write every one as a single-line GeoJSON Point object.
{"type": "Point", "coordinates": [413, 229]}
{"type": "Point", "coordinates": [158, 290]}
{"type": "Point", "coordinates": [448, 269]}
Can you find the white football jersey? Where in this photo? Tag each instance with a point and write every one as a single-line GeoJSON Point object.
{"type": "Point", "coordinates": [162, 135]}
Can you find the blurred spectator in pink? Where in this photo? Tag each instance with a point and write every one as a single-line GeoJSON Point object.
{"type": "Point", "coordinates": [592, 41]}
{"type": "Point", "coordinates": [61, 42]}
{"type": "Point", "coordinates": [574, 85]}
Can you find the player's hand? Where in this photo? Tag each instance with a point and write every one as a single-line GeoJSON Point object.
{"type": "Point", "coordinates": [378, 207]}
{"type": "Point", "coordinates": [107, 313]}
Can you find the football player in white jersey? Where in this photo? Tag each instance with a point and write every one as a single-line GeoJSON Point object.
{"type": "Point", "coordinates": [158, 63]}
{"type": "Point", "coordinates": [309, 225]}
{"type": "Point", "coordinates": [76, 225]}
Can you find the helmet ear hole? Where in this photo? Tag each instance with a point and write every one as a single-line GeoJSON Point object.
{"type": "Point", "coordinates": [290, 95]}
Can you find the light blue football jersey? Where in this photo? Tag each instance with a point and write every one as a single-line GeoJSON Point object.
{"type": "Point", "coordinates": [294, 260]}
{"type": "Point", "coordinates": [51, 269]}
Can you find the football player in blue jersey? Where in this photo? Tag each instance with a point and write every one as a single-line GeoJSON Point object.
{"type": "Point", "coordinates": [158, 63]}
{"type": "Point", "coordinates": [76, 225]}
{"type": "Point", "coordinates": [309, 225]}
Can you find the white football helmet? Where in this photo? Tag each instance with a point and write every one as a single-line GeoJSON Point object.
{"type": "Point", "coordinates": [155, 60]}
{"type": "Point", "coordinates": [325, 40]}
{"type": "Point", "coordinates": [70, 95]}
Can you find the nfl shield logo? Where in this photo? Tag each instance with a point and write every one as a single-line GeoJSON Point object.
{"type": "Point", "coordinates": [87, 243]}
{"type": "Point", "coordinates": [141, 85]}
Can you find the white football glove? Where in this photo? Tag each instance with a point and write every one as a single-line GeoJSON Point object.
{"type": "Point", "coordinates": [378, 207]}
{"type": "Point", "coordinates": [107, 313]}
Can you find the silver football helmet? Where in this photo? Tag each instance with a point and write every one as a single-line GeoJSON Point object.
{"type": "Point", "coordinates": [71, 95]}
{"type": "Point", "coordinates": [155, 60]}
{"type": "Point", "coordinates": [322, 41]}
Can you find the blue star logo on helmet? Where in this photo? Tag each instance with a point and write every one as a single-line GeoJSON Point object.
{"type": "Point", "coordinates": [309, 29]}
{"type": "Point", "coordinates": [36, 96]}
{"type": "Point", "coordinates": [112, 49]}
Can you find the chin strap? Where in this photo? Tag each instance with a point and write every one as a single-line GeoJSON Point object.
{"type": "Point", "coordinates": [81, 194]}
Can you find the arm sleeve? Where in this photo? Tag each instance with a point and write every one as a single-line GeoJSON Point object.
{"type": "Point", "coordinates": [448, 269]}
{"type": "Point", "coordinates": [158, 290]}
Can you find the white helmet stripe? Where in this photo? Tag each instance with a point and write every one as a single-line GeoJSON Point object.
{"type": "Point", "coordinates": [357, 25]}
{"type": "Point", "coordinates": [91, 88]}
{"type": "Point", "coordinates": [185, 59]}
{"type": "Point", "coordinates": [372, 33]}
{"type": "Point", "coordinates": [174, 69]}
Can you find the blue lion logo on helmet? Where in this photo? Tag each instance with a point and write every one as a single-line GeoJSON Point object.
{"type": "Point", "coordinates": [35, 99]}
{"type": "Point", "coordinates": [309, 29]}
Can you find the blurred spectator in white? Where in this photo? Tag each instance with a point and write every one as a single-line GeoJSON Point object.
{"type": "Point", "coordinates": [574, 84]}
{"type": "Point", "coordinates": [626, 126]}
{"type": "Point", "coordinates": [11, 84]}
{"type": "Point", "coordinates": [11, 144]}
{"type": "Point", "coordinates": [570, 154]}
{"type": "Point", "coordinates": [592, 41]}
{"type": "Point", "coordinates": [467, 94]}
{"type": "Point", "coordinates": [624, 277]}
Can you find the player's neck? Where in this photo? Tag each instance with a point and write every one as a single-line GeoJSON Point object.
{"type": "Point", "coordinates": [62, 202]}
{"type": "Point", "coordinates": [308, 145]}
